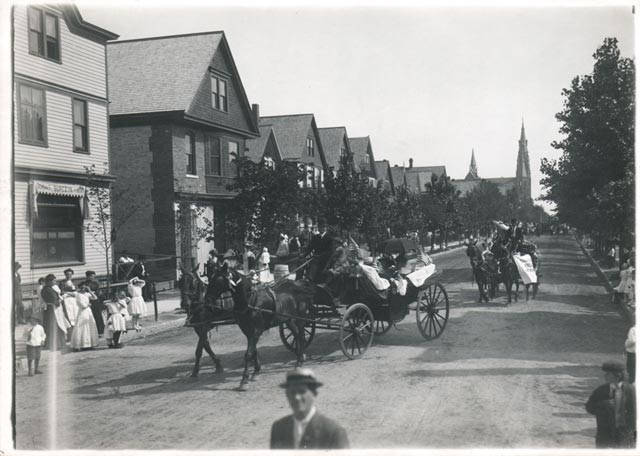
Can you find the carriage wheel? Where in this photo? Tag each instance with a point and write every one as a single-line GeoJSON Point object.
{"type": "Point", "coordinates": [380, 327]}
{"type": "Point", "coordinates": [356, 331]}
{"type": "Point", "coordinates": [288, 338]}
{"type": "Point", "coordinates": [432, 310]}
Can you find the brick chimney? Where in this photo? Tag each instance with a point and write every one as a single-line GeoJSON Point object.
{"type": "Point", "coordinates": [256, 112]}
{"type": "Point", "coordinates": [410, 163]}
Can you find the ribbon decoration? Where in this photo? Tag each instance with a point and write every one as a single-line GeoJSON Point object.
{"type": "Point", "coordinates": [58, 189]}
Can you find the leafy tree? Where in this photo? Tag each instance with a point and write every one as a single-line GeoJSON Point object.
{"type": "Point", "coordinates": [592, 183]}
{"type": "Point", "coordinates": [480, 206]}
{"type": "Point", "coordinates": [441, 204]}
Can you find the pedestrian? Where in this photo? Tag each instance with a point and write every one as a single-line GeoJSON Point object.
{"type": "Point", "coordinates": [56, 322]}
{"type": "Point", "coordinates": [35, 338]}
{"type": "Point", "coordinates": [283, 246]}
{"type": "Point", "coordinates": [305, 428]}
{"type": "Point", "coordinates": [611, 256]}
{"type": "Point", "coordinates": [17, 294]}
{"type": "Point", "coordinates": [97, 306]}
{"type": "Point", "coordinates": [248, 258]}
{"type": "Point", "coordinates": [264, 274]}
{"type": "Point", "coordinates": [116, 323]}
{"type": "Point", "coordinates": [85, 333]}
{"type": "Point", "coordinates": [630, 352]}
{"type": "Point", "coordinates": [211, 266]}
{"type": "Point", "coordinates": [138, 308]}
{"type": "Point", "coordinates": [625, 290]}
{"type": "Point", "coordinates": [614, 405]}
{"type": "Point", "coordinates": [68, 290]}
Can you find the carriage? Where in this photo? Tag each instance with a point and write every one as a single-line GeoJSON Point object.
{"type": "Point", "coordinates": [359, 311]}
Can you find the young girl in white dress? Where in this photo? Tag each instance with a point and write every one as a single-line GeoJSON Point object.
{"type": "Point", "coordinates": [116, 323]}
{"type": "Point", "coordinates": [85, 332]}
{"type": "Point", "coordinates": [69, 296]}
{"type": "Point", "coordinates": [137, 306]}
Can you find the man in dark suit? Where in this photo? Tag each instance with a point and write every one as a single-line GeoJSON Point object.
{"type": "Point", "coordinates": [614, 405]}
{"type": "Point", "coordinates": [322, 247]}
{"type": "Point", "coordinates": [306, 428]}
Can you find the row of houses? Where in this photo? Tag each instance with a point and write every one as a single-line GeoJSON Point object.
{"type": "Point", "coordinates": [162, 119]}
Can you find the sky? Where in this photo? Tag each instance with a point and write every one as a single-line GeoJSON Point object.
{"type": "Point", "coordinates": [427, 83]}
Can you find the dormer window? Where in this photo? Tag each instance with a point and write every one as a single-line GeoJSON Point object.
{"type": "Point", "coordinates": [219, 93]}
{"type": "Point", "coordinates": [310, 150]}
{"type": "Point", "coordinates": [44, 34]}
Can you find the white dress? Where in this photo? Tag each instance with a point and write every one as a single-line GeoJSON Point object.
{"type": "Point", "coordinates": [85, 332]}
{"type": "Point", "coordinates": [70, 302]}
{"type": "Point", "coordinates": [116, 320]}
{"type": "Point", "coordinates": [137, 305]}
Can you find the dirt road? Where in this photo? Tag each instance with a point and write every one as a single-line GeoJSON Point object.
{"type": "Point", "coordinates": [499, 376]}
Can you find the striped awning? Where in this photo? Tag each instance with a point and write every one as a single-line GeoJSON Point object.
{"type": "Point", "coordinates": [39, 187]}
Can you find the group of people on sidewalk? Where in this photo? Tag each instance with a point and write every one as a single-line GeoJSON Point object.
{"type": "Point", "coordinates": [77, 316]}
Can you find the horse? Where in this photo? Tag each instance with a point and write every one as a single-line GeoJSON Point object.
{"type": "Point", "coordinates": [258, 308]}
{"type": "Point", "coordinates": [200, 315]}
{"type": "Point", "coordinates": [481, 274]}
{"type": "Point", "coordinates": [509, 274]}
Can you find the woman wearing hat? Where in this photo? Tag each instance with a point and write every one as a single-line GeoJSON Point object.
{"type": "Point", "coordinates": [55, 319]}
{"type": "Point", "coordinates": [614, 405]}
{"type": "Point", "coordinates": [69, 296]}
{"type": "Point", "coordinates": [85, 332]}
{"type": "Point", "coordinates": [138, 308]}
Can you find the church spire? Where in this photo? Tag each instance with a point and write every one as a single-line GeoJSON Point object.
{"type": "Point", "coordinates": [523, 169]}
{"type": "Point", "coordinates": [473, 168]}
{"type": "Point", "coordinates": [522, 135]}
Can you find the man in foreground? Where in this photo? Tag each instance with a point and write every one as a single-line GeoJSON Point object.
{"type": "Point", "coordinates": [305, 428]}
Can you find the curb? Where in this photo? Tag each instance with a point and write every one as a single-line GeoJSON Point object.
{"type": "Point", "coordinates": [155, 329]}
{"type": "Point", "coordinates": [607, 285]}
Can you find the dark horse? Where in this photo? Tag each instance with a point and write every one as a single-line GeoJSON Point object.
{"type": "Point", "coordinates": [481, 273]}
{"type": "Point", "coordinates": [201, 315]}
{"type": "Point", "coordinates": [258, 308]}
{"type": "Point", "coordinates": [509, 274]}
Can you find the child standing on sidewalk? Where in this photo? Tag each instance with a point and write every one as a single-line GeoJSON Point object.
{"type": "Point", "coordinates": [137, 304]}
{"type": "Point", "coordinates": [35, 337]}
{"type": "Point", "coordinates": [116, 323]}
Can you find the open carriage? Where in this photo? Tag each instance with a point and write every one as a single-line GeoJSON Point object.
{"type": "Point", "coordinates": [358, 310]}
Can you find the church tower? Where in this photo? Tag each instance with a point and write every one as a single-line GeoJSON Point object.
{"type": "Point", "coordinates": [473, 168]}
{"type": "Point", "coordinates": [523, 169]}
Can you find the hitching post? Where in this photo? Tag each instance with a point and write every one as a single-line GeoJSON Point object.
{"type": "Point", "coordinates": [155, 300]}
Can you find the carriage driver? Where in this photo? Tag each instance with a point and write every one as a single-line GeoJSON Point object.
{"type": "Point", "coordinates": [322, 247]}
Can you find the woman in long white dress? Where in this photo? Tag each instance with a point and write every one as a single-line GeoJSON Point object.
{"type": "Point", "coordinates": [85, 332]}
{"type": "Point", "coordinates": [137, 306]}
{"type": "Point", "coordinates": [68, 290]}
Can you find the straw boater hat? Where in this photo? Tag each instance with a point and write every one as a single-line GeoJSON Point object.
{"type": "Point", "coordinates": [301, 376]}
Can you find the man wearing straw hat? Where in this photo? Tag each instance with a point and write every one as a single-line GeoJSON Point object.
{"type": "Point", "coordinates": [306, 428]}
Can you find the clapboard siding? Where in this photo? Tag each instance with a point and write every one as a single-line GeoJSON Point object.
{"type": "Point", "coordinates": [59, 154]}
{"type": "Point", "coordinates": [82, 67]}
{"type": "Point", "coordinates": [93, 255]}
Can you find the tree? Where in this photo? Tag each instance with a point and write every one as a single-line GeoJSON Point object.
{"type": "Point", "coordinates": [440, 203]}
{"type": "Point", "coordinates": [592, 183]}
{"type": "Point", "coordinates": [480, 206]}
{"type": "Point", "coordinates": [101, 223]}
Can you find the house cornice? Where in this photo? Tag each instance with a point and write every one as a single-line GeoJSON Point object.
{"type": "Point", "coordinates": [25, 171]}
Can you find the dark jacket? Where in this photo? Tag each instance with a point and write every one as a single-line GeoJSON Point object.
{"type": "Point", "coordinates": [610, 434]}
{"type": "Point", "coordinates": [321, 433]}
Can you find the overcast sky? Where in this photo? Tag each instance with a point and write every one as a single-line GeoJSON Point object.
{"type": "Point", "coordinates": [427, 83]}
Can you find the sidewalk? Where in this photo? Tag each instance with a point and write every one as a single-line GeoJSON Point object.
{"type": "Point", "coordinates": [169, 317]}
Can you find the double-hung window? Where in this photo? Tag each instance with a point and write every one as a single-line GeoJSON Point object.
{"type": "Point", "coordinates": [213, 162]}
{"type": "Point", "coordinates": [310, 151]}
{"type": "Point", "coordinates": [190, 146]}
{"type": "Point", "coordinates": [33, 115]}
{"type": "Point", "coordinates": [80, 126]}
{"type": "Point", "coordinates": [219, 93]}
{"type": "Point", "coordinates": [57, 231]}
{"type": "Point", "coordinates": [44, 34]}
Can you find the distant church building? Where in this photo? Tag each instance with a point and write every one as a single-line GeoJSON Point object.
{"type": "Point", "coordinates": [522, 181]}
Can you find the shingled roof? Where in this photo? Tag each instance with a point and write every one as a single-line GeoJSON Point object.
{"type": "Point", "coordinates": [397, 174]}
{"type": "Point", "coordinates": [437, 170]}
{"type": "Point", "coordinates": [160, 74]}
{"type": "Point", "coordinates": [360, 149]}
{"type": "Point", "coordinates": [291, 133]}
{"type": "Point", "coordinates": [332, 140]}
{"type": "Point", "coordinates": [466, 185]}
{"type": "Point", "coordinates": [256, 147]}
{"type": "Point", "coordinates": [382, 171]}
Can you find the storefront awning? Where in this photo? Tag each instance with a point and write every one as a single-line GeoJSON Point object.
{"type": "Point", "coordinates": [38, 187]}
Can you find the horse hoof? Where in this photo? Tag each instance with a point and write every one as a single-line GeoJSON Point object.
{"type": "Point", "coordinates": [242, 387]}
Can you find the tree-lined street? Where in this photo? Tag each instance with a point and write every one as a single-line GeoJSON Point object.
{"type": "Point", "coordinates": [499, 376]}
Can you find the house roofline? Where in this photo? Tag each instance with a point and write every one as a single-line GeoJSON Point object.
{"type": "Point", "coordinates": [163, 37]}
{"type": "Point", "coordinates": [84, 28]}
{"type": "Point", "coordinates": [287, 115]}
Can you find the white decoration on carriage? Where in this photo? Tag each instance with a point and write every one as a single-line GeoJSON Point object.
{"type": "Point", "coordinates": [372, 274]}
{"type": "Point", "coordinates": [525, 268]}
{"type": "Point", "coordinates": [419, 276]}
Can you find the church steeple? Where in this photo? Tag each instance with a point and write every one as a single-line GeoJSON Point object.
{"type": "Point", "coordinates": [473, 168]}
{"type": "Point", "coordinates": [523, 169]}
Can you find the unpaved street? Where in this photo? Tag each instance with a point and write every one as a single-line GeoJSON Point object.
{"type": "Point", "coordinates": [499, 376]}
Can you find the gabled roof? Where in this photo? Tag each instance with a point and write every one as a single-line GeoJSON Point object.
{"type": "Point", "coordinates": [397, 174]}
{"type": "Point", "coordinates": [291, 133]}
{"type": "Point", "coordinates": [160, 74]}
{"type": "Point", "coordinates": [413, 182]}
{"type": "Point", "coordinates": [332, 140]}
{"type": "Point", "coordinates": [257, 147]}
{"type": "Point", "coordinates": [437, 170]}
{"type": "Point", "coordinates": [79, 26]}
{"type": "Point", "coordinates": [466, 185]}
{"type": "Point", "coordinates": [360, 149]}
{"type": "Point", "coordinates": [382, 170]}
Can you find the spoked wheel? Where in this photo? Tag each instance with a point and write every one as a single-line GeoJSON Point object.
{"type": "Point", "coordinates": [432, 310]}
{"type": "Point", "coordinates": [287, 336]}
{"type": "Point", "coordinates": [356, 331]}
{"type": "Point", "coordinates": [380, 327]}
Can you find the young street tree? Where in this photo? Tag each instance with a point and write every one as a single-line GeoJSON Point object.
{"type": "Point", "coordinates": [592, 183]}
